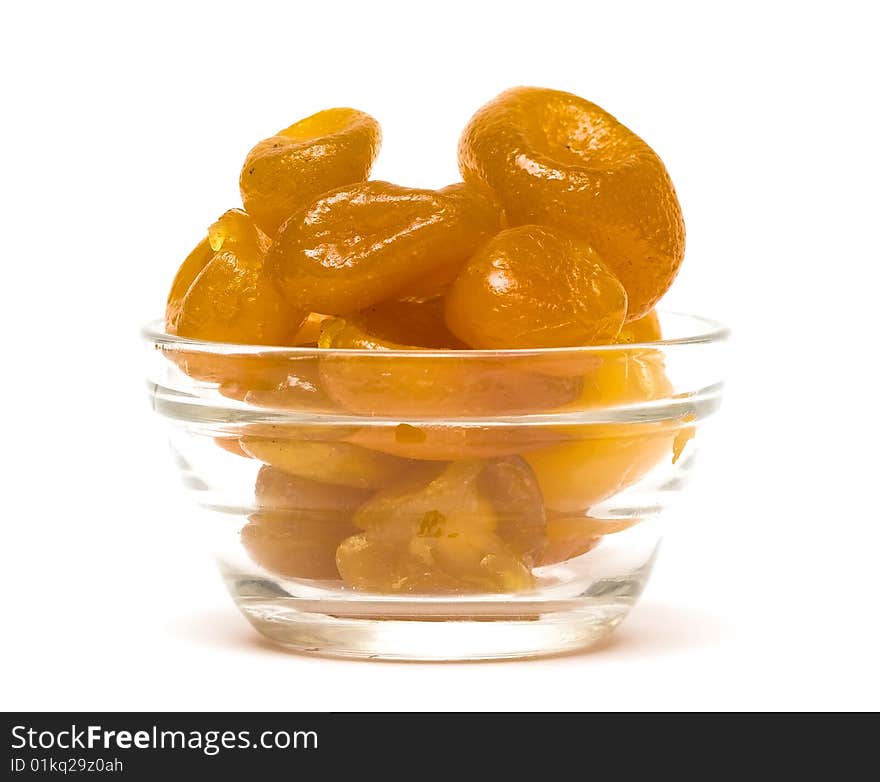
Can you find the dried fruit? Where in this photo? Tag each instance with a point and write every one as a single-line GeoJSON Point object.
{"type": "Point", "coordinates": [644, 329]}
{"type": "Point", "coordinates": [299, 524]}
{"type": "Point", "coordinates": [327, 461]}
{"type": "Point", "coordinates": [420, 383]}
{"type": "Point", "coordinates": [286, 171]}
{"type": "Point", "coordinates": [535, 287]}
{"type": "Point", "coordinates": [435, 536]}
{"type": "Point", "coordinates": [599, 460]}
{"type": "Point", "coordinates": [276, 490]}
{"type": "Point", "coordinates": [409, 322]}
{"type": "Point", "coordinates": [555, 159]}
{"type": "Point", "coordinates": [570, 536]}
{"type": "Point", "coordinates": [221, 293]}
{"type": "Point", "coordinates": [295, 545]}
{"type": "Point", "coordinates": [359, 245]}
{"type": "Point", "coordinates": [448, 441]}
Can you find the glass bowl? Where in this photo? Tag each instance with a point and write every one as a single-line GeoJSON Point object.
{"type": "Point", "coordinates": [440, 505]}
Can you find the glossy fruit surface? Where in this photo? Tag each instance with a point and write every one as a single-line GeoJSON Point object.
{"type": "Point", "coordinates": [535, 287]}
{"type": "Point", "coordinates": [644, 329]}
{"type": "Point", "coordinates": [327, 150]}
{"type": "Point", "coordinates": [192, 266]}
{"type": "Point", "coordinates": [359, 245]}
{"type": "Point", "coordinates": [221, 292]}
{"type": "Point", "coordinates": [555, 159]}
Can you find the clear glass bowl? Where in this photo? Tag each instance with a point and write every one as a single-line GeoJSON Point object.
{"type": "Point", "coordinates": [436, 504]}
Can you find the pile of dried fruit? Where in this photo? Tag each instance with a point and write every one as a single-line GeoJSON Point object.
{"type": "Point", "coordinates": [565, 232]}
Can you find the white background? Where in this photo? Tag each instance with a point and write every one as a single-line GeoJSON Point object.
{"type": "Point", "coordinates": [123, 130]}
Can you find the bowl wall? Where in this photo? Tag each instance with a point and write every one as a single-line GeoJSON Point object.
{"type": "Point", "coordinates": [437, 505]}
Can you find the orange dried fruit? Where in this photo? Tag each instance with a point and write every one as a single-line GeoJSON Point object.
{"type": "Point", "coordinates": [198, 259]}
{"type": "Point", "coordinates": [300, 524]}
{"type": "Point", "coordinates": [599, 460]}
{"type": "Point", "coordinates": [512, 489]}
{"type": "Point", "coordinates": [599, 463]}
{"type": "Point", "coordinates": [432, 536]}
{"type": "Point", "coordinates": [284, 172]}
{"type": "Point", "coordinates": [535, 287]}
{"type": "Point", "coordinates": [419, 383]}
{"type": "Point", "coordinates": [623, 377]}
{"type": "Point", "coordinates": [555, 159]}
{"type": "Point", "coordinates": [279, 381]}
{"type": "Point", "coordinates": [408, 508]}
{"type": "Point", "coordinates": [327, 461]}
{"type": "Point", "coordinates": [448, 442]}
{"type": "Point", "coordinates": [570, 536]}
{"type": "Point", "coordinates": [307, 334]}
{"type": "Point", "coordinates": [683, 437]}
{"type": "Point", "coordinates": [644, 329]}
{"type": "Point", "coordinates": [229, 298]}
{"type": "Point", "coordinates": [277, 490]}
{"type": "Point", "coordinates": [407, 322]}
{"type": "Point", "coordinates": [361, 244]}
{"type": "Point", "coordinates": [295, 545]}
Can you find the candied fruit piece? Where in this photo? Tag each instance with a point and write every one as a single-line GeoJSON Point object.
{"type": "Point", "coordinates": [284, 172]}
{"type": "Point", "coordinates": [623, 377]}
{"type": "Point", "coordinates": [555, 159]}
{"type": "Point", "coordinates": [432, 537]}
{"type": "Point", "coordinates": [409, 508]}
{"type": "Point", "coordinates": [191, 267]}
{"type": "Point", "coordinates": [683, 437]}
{"type": "Point", "coordinates": [307, 334]}
{"type": "Point", "coordinates": [448, 442]}
{"type": "Point", "coordinates": [599, 460]}
{"type": "Point", "coordinates": [408, 322]}
{"type": "Point", "coordinates": [327, 462]}
{"type": "Point", "coordinates": [358, 245]}
{"type": "Point", "coordinates": [535, 287]}
{"type": "Point", "coordinates": [277, 381]}
{"type": "Point", "coordinates": [276, 490]}
{"type": "Point", "coordinates": [483, 211]}
{"type": "Point", "coordinates": [437, 566]}
{"type": "Point", "coordinates": [570, 536]}
{"type": "Point", "coordinates": [644, 329]}
{"type": "Point", "coordinates": [339, 334]}
{"type": "Point", "coordinates": [300, 524]}
{"type": "Point", "coordinates": [389, 567]}
{"type": "Point", "coordinates": [419, 383]}
{"type": "Point", "coordinates": [229, 299]}
{"type": "Point", "coordinates": [372, 566]}
{"type": "Point", "coordinates": [602, 461]}
{"type": "Point", "coordinates": [295, 545]}
{"type": "Point", "coordinates": [480, 562]}
{"type": "Point", "coordinates": [512, 488]}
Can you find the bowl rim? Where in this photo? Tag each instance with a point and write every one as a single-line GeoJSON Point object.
{"type": "Point", "coordinates": [712, 331]}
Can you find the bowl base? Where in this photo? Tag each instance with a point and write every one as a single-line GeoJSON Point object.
{"type": "Point", "coordinates": [438, 632]}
